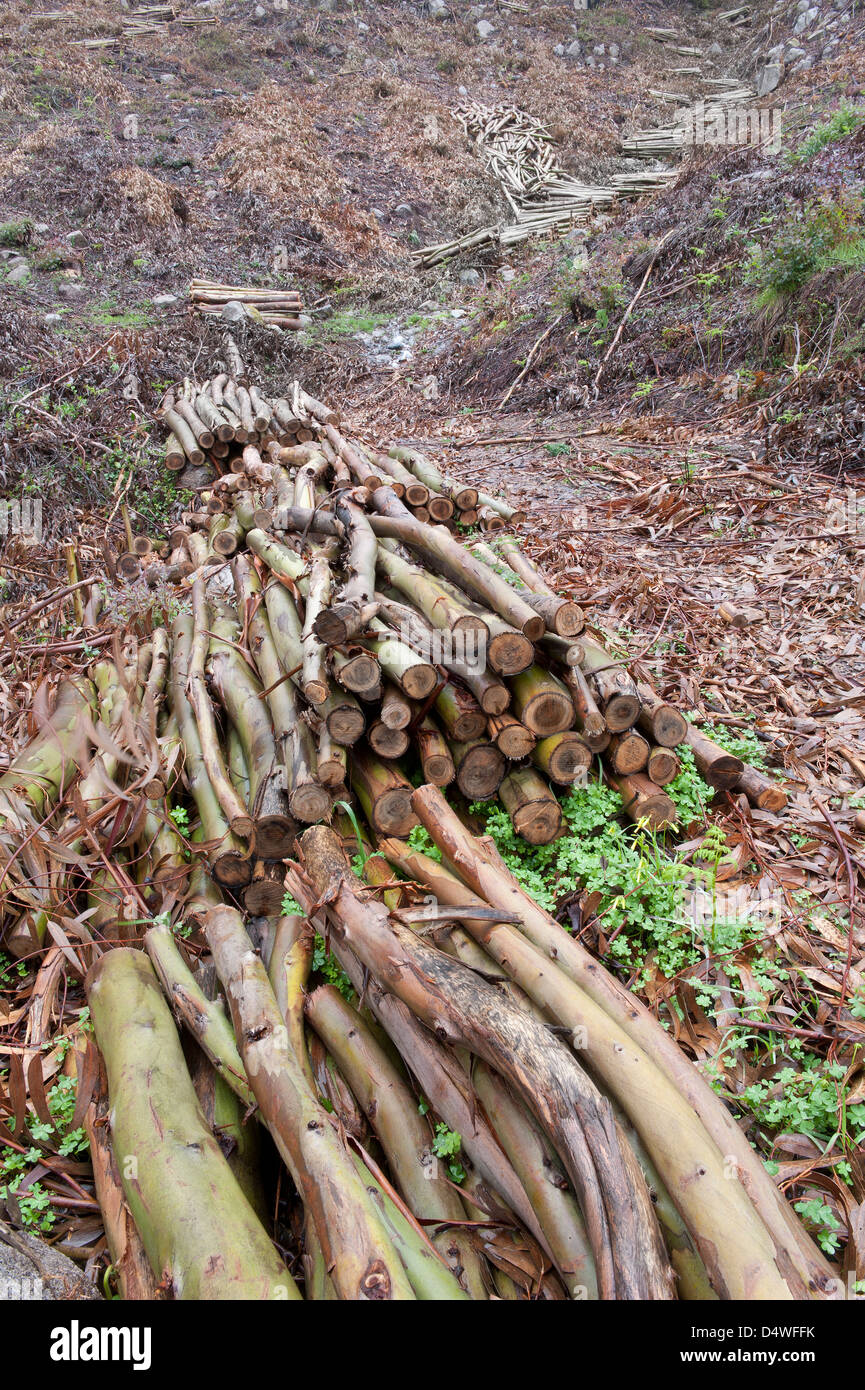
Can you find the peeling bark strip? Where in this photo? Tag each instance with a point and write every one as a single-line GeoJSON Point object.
{"type": "Point", "coordinates": [359, 1253]}
{"type": "Point", "coordinates": [199, 1231]}
{"type": "Point", "coordinates": [464, 1011]}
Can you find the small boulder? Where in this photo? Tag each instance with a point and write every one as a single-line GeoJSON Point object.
{"type": "Point", "coordinates": [19, 274]}
{"type": "Point", "coordinates": [233, 311]}
{"type": "Point", "coordinates": [70, 291]}
{"type": "Point", "coordinates": [769, 78]}
{"type": "Point", "coordinates": [164, 301]}
{"type": "Point", "coordinates": [485, 29]}
{"type": "Point", "coordinates": [470, 276]}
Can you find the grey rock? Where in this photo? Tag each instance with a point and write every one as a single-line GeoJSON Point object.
{"type": "Point", "coordinates": [775, 53]}
{"type": "Point", "coordinates": [233, 311]}
{"type": "Point", "coordinates": [403, 210]}
{"type": "Point", "coordinates": [438, 9]}
{"type": "Point", "coordinates": [305, 320]}
{"type": "Point", "coordinates": [485, 29]}
{"type": "Point", "coordinates": [19, 274]}
{"type": "Point", "coordinates": [802, 6]}
{"type": "Point", "coordinates": [715, 50]}
{"type": "Point", "coordinates": [70, 291]}
{"type": "Point", "coordinates": [614, 50]}
{"type": "Point", "coordinates": [769, 78]}
{"type": "Point", "coordinates": [166, 77]}
{"type": "Point", "coordinates": [260, 12]}
{"type": "Point", "coordinates": [428, 306]}
{"type": "Point", "coordinates": [507, 274]}
{"type": "Point", "coordinates": [41, 228]}
{"type": "Point", "coordinates": [75, 238]}
{"type": "Point", "coordinates": [31, 1271]}
{"type": "Point", "coordinates": [164, 301]}
{"type": "Point", "coordinates": [599, 49]}
{"type": "Point", "coordinates": [362, 28]}
{"type": "Point", "coordinates": [559, 50]}
{"type": "Point", "coordinates": [591, 62]}
{"type": "Point", "coordinates": [792, 53]}
{"type": "Point", "coordinates": [804, 64]}
{"type": "Point", "coordinates": [575, 49]}
{"type": "Point", "coordinates": [379, 214]}
{"type": "Point", "coordinates": [458, 313]}
{"type": "Point", "coordinates": [470, 276]}
{"type": "Point", "coordinates": [53, 318]}
{"type": "Point", "coordinates": [463, 91]}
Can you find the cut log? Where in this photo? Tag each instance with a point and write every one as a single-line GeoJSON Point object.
{"type": "Point", "coordinates": [460, 714]}
{"type": "Point", "coordinates": [719, 768]}
{"type": "Point", "coordinates": [589, 720]}
{"type": "Point", "coordinates": [198, 1229]}
{"type": "Point", "coordinates": [534, 811]}
{"type": "Point", "coordinates": [385, 741]}
{"type": "Point", "coordinates": [512, 737]}
{"type": "Point", "coordinates": [263, 896]}
{"type": "Point", "coordinates": [663, 766]}
{"type": "Point", "coordinates": [383, 792]}
{"type": "Point", "coordinates": [240, 693]}
{"type": "Point", "coordinates": [643, 801]}
{"type": "Point", "coordinates": [396, 710]}
{"type": "Point", "coordinates": [480, 767]}
{"type": "Point", "coordinates": [541, 702]}
{"type": "Point", "coordinates": [357, 670]}
{"type": "Point", "coordinates": [762, 791]}
{"type": "Point", "coordinates": [344, 718]}
{"type": "Point", "coordinates": [617, 693]}
{"type": "Point", "coordinates": [422, 468]}
{"type": "Point", "coordinates": [628, 752]}
{"type": "Point", "coordinates": [358, 1251]}
{"type": "Point", "coordinates": [332, 759]}
{"type": "Point", "coordinates": [565, 758]}
{"type": "Point", "coordinates": [435, 755]}
{"type": "Point", "coordinates": [416, 677]}
{"type": "Point", "coordinates": [664, 723]}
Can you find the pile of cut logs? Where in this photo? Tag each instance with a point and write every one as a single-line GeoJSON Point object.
{"type": "Point", "coordinates": [473, 1107]}
{"type": "Point", "coordinates": [517, 150]}
{"type": "Point", "coordinates": [457, 651]}
{"type": "Point", "coordinates": [276, 306]}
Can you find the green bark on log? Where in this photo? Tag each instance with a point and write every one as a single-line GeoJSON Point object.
{"type": "Point", "coordinates": [198, 1229]}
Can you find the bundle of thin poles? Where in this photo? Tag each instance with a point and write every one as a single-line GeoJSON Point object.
{"type": "Point", "coordinates": [272, 305]}
{"type": "Point", "coordinates": [516, 149]}
{"type": "Point", "coordinates": [695, 125]}
{"type": "Point", "coordinates": [304, 699]}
